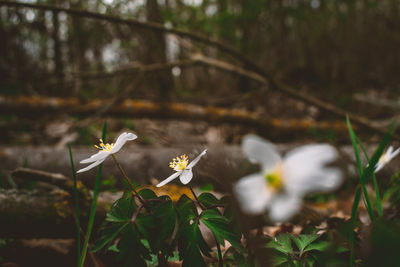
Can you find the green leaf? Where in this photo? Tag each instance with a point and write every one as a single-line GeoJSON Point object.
{"type": "Point", "coordinates": [377, 154]}
{"type": "Point", "coordinates": [319, 246]}
{"type": "Point", "coordinates": [109, 233]}
{"type": "Point", "coordinates": [186, 209]}
{"type": "Point", "coordinates": [132, 251]}
{"type": "Point", "coordinates": [219, 225]}
{"type": "Point", "coordinates": [208, 199]}
{"type": "Point", "coordinates": [302, 241]}
{"type": "Point", "coordinates": [165, 218]}
{"type": "Point", "coordinates": [122, 210]}
{"type": "Point", "coordinates": [190, 243]}
{"type": "Point", "coordinates": [113, 248]}
{"type": "Point", "coordinates": [213, 214]}
{"type": "Point", "coordinates": [282, 243]}
{"type": "Point", "coordinates": [353, 138]}
{"type": "Point", "coordinates": [147, 194]}
{"type": "Point", "coordinates": [278, 258]}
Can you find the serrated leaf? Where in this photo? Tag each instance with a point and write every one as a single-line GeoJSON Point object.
{"type": "Point", "coordinates": [186, 209]}
{"type": "Point", "coordinates": [147, 194]}
{"type": "Point", "coordinates": [213, 214]}
{"type": "Point", "coordinates": [122, 210]}
{"type": "Point", "coordinates": [278, 258]}
{"type": "Point", "coordinates": [165, 218]}
{"type": "Point", "coordinates": [191, 242]}
{"type": "Point", "coordinates": [132, 251]}
{"type": "Point", "coordinates": [113, 248]}
{"type": "Point", "coordinates": [108, 234]}
{"type": "Point", "coordinates": [146, 226]}
{"type": "Point", "coordinates": [302, 241]}
{"type": "Point", "coordinates": [208, 199]}
{"type": "Point", "coordinates": [220, 227]}
{"type": "Point", "coordinates": [282, 243]}
{"type": "Point", "coordinates": [319, 246]}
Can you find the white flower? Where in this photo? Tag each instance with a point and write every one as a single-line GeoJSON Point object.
{"type": "Point", "coordinates": [282, 183]}
{"type": "Point", "coordinates": [106, 150]}
{"type": "Point", "coordinates": [386, 158]}
{"type": "Point", "coordinates": [183, 170]}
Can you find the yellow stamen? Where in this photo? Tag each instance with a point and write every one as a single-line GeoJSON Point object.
{"type": "Point", "coordinates": [275, 179]}
{"type": "Point", "coordinates": [179, 163]}
{"type": "Point", "coordinates": [104, 147]}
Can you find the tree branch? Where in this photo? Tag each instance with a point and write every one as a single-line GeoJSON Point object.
{"type": "Point", "coordinates": [275, 84]}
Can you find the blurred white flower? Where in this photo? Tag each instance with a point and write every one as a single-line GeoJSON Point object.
{"type": "Point", "coordinates": [282, 183]}
{"type": "Point", "coordinates": [183, 170]}
{"type": "Point", "coordinates": [106, 150]}
{"type": "Point", "coordinates": [386, 157]}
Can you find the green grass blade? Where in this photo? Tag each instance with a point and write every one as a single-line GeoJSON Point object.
{"type": "Point", "coordinates": [378, 197]}
{"type": "Point", "coordinates": [353, 138]}
{"type": "Point", "coordinates": [355, 147]}
{"type": "Point", "coordinates": [377, 154]}
{"type": "Point", "coordinates": [93, 207]}
{"type": "Point", "coordinates": [76, 197]}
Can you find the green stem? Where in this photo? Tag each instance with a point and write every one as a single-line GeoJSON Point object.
{"type": "Point", "coordinates": [93, 208]}
{"type": "Point", "coordinates": [220, 260]}
{"type": "Point", "coordinates": [197, 200]}
{"type": "Point", "coordinates": [127, 179]}
{"type": "Point", "coordinates": [76, 200]}
{"type": "Point", "coordinates": [353, 219]}
{"type": "Point", "coordinates": [91, 216]}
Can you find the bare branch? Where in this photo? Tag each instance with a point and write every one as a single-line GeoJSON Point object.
{"type": "Point", "coordinates": [275, 84]}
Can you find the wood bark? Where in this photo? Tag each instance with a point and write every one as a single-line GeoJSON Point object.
{"type": "Point", "coordinates": [35, 106]}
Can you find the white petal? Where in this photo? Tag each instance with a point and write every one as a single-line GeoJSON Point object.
{"type": "Point", "coordinates": [304, 170]}
{"type": "Point", "coordinates": [317, 154]}
{"type": "Point", "coordinates": [186, 176]}
{"type": "Point", "coordinates": [283, 207]}
{"type": "Point", "coordinates": [260, 151]}
{"type": "Point", "coordinates": [252, 193]}
{"type": "Point", "coordinates": [169, 179]}
{"type": "Point", "coordinates": [98, 156]}
{"type": "Point", "coordinates": [389, 151]}
{"type": "Point", "coordinates": [379, 166]}
{"type": "Point", "coordinates": [395, 153]}
{"type": "Point", "coordinates": [121, 140]}
{"type": "Point", "coordinates": [196, 160]}
{"type": "Point", "coordinates": [91, 166]}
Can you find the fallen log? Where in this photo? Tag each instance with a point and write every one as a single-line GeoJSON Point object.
{"type": "Point", "coordinates": [38, 105]}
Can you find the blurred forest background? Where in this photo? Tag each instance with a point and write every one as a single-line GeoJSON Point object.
{"type": "Point", "coordinates": [342, 52]}
{"type": "Point", "coordinates": [192, 73]}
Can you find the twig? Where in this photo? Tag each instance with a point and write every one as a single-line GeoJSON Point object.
{"type": "Point", "coordinates": [134, 216]}
{"type": "Point", "coordinates": [137, 68]}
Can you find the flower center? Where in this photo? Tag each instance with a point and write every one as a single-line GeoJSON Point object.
{"type": "Point", "coordinates": [179, 163]}
{"type": "Point", "coordinates": [275, 179]}
{"type": "Point", "coordinates": [104, 147]}
{"type": "Point", "coordinates": [383, 159]}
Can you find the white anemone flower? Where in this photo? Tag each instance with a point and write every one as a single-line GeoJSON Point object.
{"type": "Point", "coordinates": [283, 182]}
{"type": "Point", "coordinates": [182, 168]}
{"type": "Point", "coordinates": [386, 158]}
{"type": "Point", "coordinates": [107, 150]}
